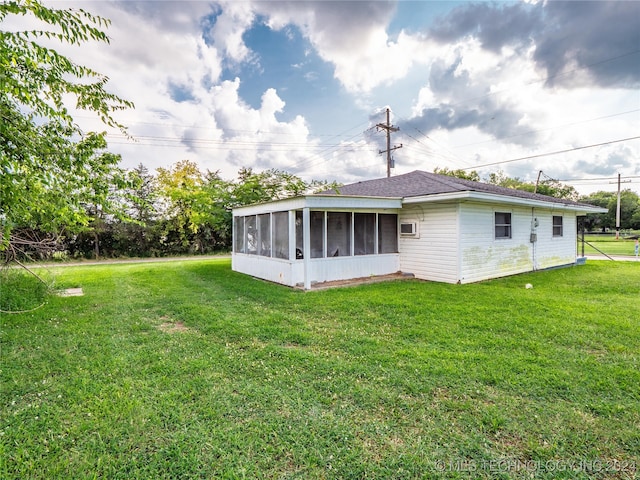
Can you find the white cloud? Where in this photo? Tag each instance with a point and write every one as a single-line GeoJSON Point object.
{"type": "Point", "coordinates": [352, 36]}
{"type": "Point", "coordinates": [233, 20]}
{"type": "Point", "coordinates": [481, 95]}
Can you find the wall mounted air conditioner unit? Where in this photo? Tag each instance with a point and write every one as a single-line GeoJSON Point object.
{"type": "Point", "coordinates": [409, 229]}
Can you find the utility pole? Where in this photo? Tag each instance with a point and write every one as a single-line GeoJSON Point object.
{"type": "Point", "coordinates": [618, 208]}
{"type": "Point", "coordinates": [389, 128]}
{"type": "Point", "coordinates": [537, 182]}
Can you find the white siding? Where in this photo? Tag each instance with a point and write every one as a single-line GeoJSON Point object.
{"type": "Point", "coordinates": [321, 270]}
{"type": "Point", "coordinates": [433, 253]}
{"type": "Point", "coordinates": [272, 269]}
{"type": "Point", "coordinates": [344, 268]}
{"type": "Point", "coordinates": [483, 256]}
{"type": "Point", "coordinates": [555, 251]}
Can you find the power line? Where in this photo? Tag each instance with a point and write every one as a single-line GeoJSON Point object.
{"type": "Point", "coordinates": [595, 179]}
{"type": "Point", "coordinates": [552, 153]}
{"type": "Point", "coordinates": [429, 150]}
{"type": "Point", "coordinates": [547, 129]}
{"type": "Point", "coordinates": [223, 144]}
{"type": "Point", "coordinates": [319, 157]}
{"type": "Point", "coordinates": [212, 127]}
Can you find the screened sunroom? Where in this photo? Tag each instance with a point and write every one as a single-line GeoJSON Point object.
{"type": "Point", "coordinates": [306, 240]}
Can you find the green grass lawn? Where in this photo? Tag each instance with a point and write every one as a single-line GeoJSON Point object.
{"type": "Point", "coordinates": [606, 244]}
{"type": "Point", "coordinates": [188, 370]}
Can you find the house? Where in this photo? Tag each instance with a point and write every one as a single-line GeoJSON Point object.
{"type": "Point", "coordinates": [435, 227]}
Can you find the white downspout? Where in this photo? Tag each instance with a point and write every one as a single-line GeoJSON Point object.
{"type": "Point", "coordinates": [533, 239]}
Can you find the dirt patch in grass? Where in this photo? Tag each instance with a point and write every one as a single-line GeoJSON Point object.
{"type": "Point", "coordinates": [71, 292]}
{"type": "Point", "coordinates": [174, 327]}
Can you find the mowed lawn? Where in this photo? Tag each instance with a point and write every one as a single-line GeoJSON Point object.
{"type": "Point", "coordinates": [188, 370]}
{"type": "Point", "coordinates": [607, 244]}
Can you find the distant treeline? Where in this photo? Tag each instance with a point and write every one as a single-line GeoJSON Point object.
{"type": "Point", "coordinates": [175, 211]}
{"type": "Point", "coordinates": [181, 210]}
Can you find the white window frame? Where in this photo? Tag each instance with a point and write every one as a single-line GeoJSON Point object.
{"type": "Point", "coordinates": [502, 225]}
{"type": "Point", "coordinates": [554, 226]}
{"type": "Point", "coordinates": [414, 229]}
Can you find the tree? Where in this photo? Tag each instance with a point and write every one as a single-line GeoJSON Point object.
{"type": "Point", "coordinates": [142, 196]}
{"type": "Point", "coordinates": [629, 204]}
{"type": "Point", "coordinates": [629, 209]}
{"type": "Point", "coordinates": [50, 169]}
{"type": "Point", "coordinates": [197, 206]}
{"type": "Point", "coordinates": [219, 191]}
{"type": "Point", "coordinates": [598, 221]}
{"type": "Point", "coordinates": [548, 186]}
{"type": "Point", "coordinates": [138, 237]}
{"type": "Point", "coordinates": [463, 174]}
{"type": "Point", "coordinates": [183, 202]}
{"type": "Point", "coordinates": [635, 219]}
{"type": "Point", "coordinates": [265, 186]}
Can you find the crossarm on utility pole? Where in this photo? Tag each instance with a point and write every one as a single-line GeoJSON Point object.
{"type": "Point", "coordinates": [389, 128]}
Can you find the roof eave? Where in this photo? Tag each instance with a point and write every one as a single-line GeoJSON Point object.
{"type": "Point", "coordinates": [320, 202]}
{"type": "Point", "coordinates": [468, 195]}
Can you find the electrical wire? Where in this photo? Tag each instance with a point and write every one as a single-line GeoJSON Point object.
{"type": "Point", "coordinates": [495, 139]}
{"type": "Point", "coordinates": [552, 153]}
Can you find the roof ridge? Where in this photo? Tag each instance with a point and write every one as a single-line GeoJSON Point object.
{"type": "Point", "coordinates": [418, 183]}
{"type": "Point", "coordinates": [443, 179]}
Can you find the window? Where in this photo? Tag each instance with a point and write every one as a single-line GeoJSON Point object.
{"type": "Point", "coordinates": [364, 231]}
{"type": "Point", "coordinates": [238, 245]}
{"type": "Point", "coordinates": [332, 234]}
{"type": "Point", "coordinates": [299, 235]}
{"type": "Point", "coordinates": [338, 234]}
{"type": "Point", "coordinates": [387, 233]}
{"type": "Point", "coordinates": [264, 235]}
{"type": "Point", "coordinates": [557, 225]}
{"type": "Point", "coordinates": [503, 224]}
{"type": "Point", "coordinates": [251, 235]}
{"type": "Point", "coordinates": [317, 234]}
{"type": "Point", "coordinates": [281, 235]}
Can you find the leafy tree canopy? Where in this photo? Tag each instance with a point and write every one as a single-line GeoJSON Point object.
{"type": "Point", "coordinates": [547, 186]}
{"type": "Point", "coordinates": [629, 209]}
{"type": "Point", "coordinates": [49, 168]}
{"type": "Point", "coordinates": [463, 174]}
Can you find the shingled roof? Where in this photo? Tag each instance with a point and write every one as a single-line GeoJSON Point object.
{"type": "Point", "coordinates": [419, 183]}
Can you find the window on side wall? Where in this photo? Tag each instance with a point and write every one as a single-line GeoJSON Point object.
{"type": "Point", "coordinates": [387, 233]}
{"type": "Point", "coordinates": [264, 235]}
{"type": "Point", "coordinates": [281, 235]}
{"type": "Point", "coordinates": [317, 234]}
{"type": "Point", "coordinates": [557, 225]}
{"type": "Point", "coordinates": [238, 243]}
{"type": "Point", "coordinates": [299, 235]}
{"type": "Point", "coordinates": [338, 234]}
{"type": "Point", "coordinates": [502, 225]}
{"type": "Point", "coordinates": [251, 235]}
{"type": "Point", "coordinates": [364, 232]}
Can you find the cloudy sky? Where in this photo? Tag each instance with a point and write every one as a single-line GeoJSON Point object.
{"type": "Point", "coordinates": [301, 85]}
